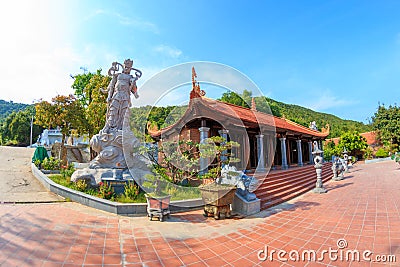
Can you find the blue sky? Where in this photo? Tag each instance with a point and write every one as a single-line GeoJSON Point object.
{"type": "Point", "coordinates": [338, 57]}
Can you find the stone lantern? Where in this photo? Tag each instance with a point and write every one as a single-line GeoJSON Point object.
{"type": "Point", "coordinates": [319, 188]}
{"type": "Point", "coordinates": [346, 160]}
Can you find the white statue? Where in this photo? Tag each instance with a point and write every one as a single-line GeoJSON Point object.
{"type": "Point", "coordinates": [313, 125]}
{"type": "Point", "coordinates": [119, 90]}
{"type": "Point", "coordinates": [108, 143]}
{"type": "Point", "coordinates": [44, 140]}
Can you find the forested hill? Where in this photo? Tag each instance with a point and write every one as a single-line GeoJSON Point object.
{"type": "Point", "coordinates": [7, 108]}
{"type": "Point", "coordinates": [298, 114]}
{"type": "Point", "coordinates": [304, 116]}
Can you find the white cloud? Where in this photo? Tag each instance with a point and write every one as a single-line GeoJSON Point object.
{"type": "Point", "coordinates": [171, 86]}
{"type": "Point", "coordinates": [167, 50]}
{"type": "Point", "coordinates": [327, 100]}
{"type": "Point", "coordinates": [128, 21]}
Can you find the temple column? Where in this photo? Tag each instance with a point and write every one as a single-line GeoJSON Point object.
{"type": "Point", "coordinates": [224, 134]}
{"type": "Point", "coordinates": [283, 152]}
{"type": "Point", "coordinates": [203, 161]}
{"type": "Point", "coordinates": [260, 152]}
{"type": "Point", "coordinates": [299, 153]}
{"type": "Point", "coordinates": [310, 150]}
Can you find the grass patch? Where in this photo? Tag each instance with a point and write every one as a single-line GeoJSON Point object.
{"type": "Point", "coordinates": [176, 192]}
{"type": "Point", "coordinates": [182, 192]}
{"type": "Point", "coordinates": [123, 199]}
{"type": "Point", "coordinates": [59, 179]}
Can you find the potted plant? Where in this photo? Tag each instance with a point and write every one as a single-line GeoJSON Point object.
{"type": "Point", "coordinates": [157, 201]}
{"type": "Point", "coordinates": [216, 196]}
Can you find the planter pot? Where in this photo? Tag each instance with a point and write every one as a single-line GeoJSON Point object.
{"type": "Point", "coordinates": [158, 206]}
{"type": "Point", "coordinates": [217, 199]}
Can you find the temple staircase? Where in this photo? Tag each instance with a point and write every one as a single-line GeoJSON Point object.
{"type": "Point", "coordinates": [282, 185]}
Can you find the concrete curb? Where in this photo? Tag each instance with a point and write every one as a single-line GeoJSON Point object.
{"type": "Point", "coordinates": [128, 209]}
{"type": "Point", "coordinates": [368, 161]}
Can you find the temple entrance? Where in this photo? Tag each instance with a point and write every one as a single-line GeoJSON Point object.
{"type": "Point", "coordinates": [293, 157]}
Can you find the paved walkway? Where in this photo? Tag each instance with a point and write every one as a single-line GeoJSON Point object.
{"type": "Point", "coordinates": [358, 214]}
{"type": "Point", "coordinates": [17, 184]}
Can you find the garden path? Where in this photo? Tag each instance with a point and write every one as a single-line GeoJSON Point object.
{"type": "Point", "coordinates": [17, 183]}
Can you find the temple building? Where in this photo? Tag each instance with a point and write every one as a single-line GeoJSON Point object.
{"type": "Point", "coordinates": [266, 141]}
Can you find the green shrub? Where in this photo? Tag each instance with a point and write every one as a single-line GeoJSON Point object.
{"type": "Point", "coordinates": [37, 163]}
{"type": "Point", "coordinates": [106, 191]}
{"type": "Point", "coordinates": [368, 153]}
{"type": "Point", "coordinates": [81, 185]}
{"type": "Point", "coordinates": [131, 190]}
{"type": "Point", "coordinates": [51, 164]}
{"type": "Point", "coordinates": [67, 171]}
{"type": "Point", "coordinates": [381, 153]}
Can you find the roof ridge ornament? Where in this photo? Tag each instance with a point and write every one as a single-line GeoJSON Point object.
{"type": "Point", "coordinates": [196, 91]}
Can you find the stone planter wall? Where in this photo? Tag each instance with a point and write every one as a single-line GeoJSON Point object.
{"type": "Point", "coordinates": [129, 209]}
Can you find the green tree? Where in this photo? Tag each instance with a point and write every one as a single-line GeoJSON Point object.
{"type": "Point", "coordinates": [354, 143]}
{"type": "Point", "coordinates": [83, 94]}
{"type": "Point", "coordinates": [386, 122]}
{"type": "Point", "coordinates": [88, 88]}
{"type": "Point", "coordinates": [97, 104]}
{"type": "Point", "coordinates": [330, 150]}
{"type": "Point", "coordinates": [243, 99]}
{"type": "Point", "coordinates": [16, 128]}
{"type": "Point", "coordinates": [65, 112]}
{"type": "Point", "coordinates": [89, 91]}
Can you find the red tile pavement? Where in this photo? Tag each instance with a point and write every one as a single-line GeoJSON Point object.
{"type": "Point", "coordinates": [361, 211]}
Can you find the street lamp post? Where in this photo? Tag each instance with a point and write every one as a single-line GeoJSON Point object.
{"type": "Point", "coordinates": [31, 131]}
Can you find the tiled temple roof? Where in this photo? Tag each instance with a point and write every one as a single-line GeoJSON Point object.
{"type": "Point", "coordinates": [247, 115]}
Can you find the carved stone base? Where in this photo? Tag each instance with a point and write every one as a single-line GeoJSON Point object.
{"type": "Point", "coordinates": [319, 190]}
{"type": "Point", "coordinates": [244, 207]}
{"type": "Point", "coordinates": [337, 178]}
{"type": "Point", "coordinates": [216, 211]}
{"type": "Point", "coordinates": [95, 176]}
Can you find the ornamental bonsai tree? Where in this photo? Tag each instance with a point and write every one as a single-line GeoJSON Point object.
{"type": "Point", "coordinates": [173, 161]}
{"type": "Point", "coordinates": [219, 150]}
